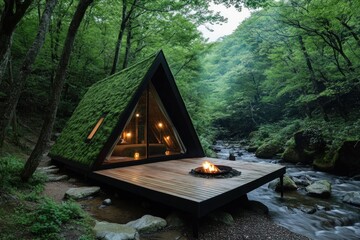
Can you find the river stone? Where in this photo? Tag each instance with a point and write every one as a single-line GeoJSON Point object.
{"type": "Point", "coordinates": [81, 192]}
{"type": "Point", "coordinates": [147, 223]}
{"type": "Point", "coordinates": [321, 188]}
{"type": "Point", "coordinates": [55, 178]}
{"type": "Point", "coordinates": [220, 216]}
{"type": "Point", "coordinates": [114, 231]}
{"type": "Point", "coordinates": [352, 198]}
{"type": "Point", "coordinates": [289, 184]}
{"type": "Point", "coordinates": [107, 202]}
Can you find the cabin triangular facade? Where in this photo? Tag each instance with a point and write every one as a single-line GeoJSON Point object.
{"type": "Point", "coordinates": [135, 116]}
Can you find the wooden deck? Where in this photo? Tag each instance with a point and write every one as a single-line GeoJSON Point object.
{"type": "Point", "coordinates": [170, 183]}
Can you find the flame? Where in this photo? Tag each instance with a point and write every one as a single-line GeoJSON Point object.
{"type": "Point", "coordinates": [208, 167]}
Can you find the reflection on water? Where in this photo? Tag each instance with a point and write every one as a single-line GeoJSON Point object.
{"type": "Point", "coordinates": [309, 216]}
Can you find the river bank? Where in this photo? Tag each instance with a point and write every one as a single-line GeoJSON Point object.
{"type": "Point", "coordinates": [312, 217]}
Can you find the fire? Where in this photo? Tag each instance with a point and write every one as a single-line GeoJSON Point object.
{"type": "Point", "coordinates": [208, 167]}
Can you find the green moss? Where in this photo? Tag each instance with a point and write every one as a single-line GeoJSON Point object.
{"type": "Point", "coordinates": [111, 96]}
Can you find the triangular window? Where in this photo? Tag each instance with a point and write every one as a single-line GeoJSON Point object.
{"type": "Point", "coordinates": [148, 133]}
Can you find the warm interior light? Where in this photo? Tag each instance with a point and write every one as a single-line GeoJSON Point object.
{"type": "Point", "coordinates": [128, 134]}
{"type": "Point", "coordinates": [136, 155]}
{"type": "Point", "coordinates": [160, 125]}
{"type": "Point", "coordinates": [137, 115]}
{"type": "Point", "coordinates": [167, 152]}
{"type": "Point", "coordinates": [167, 137]}
{"type": "Point", "coordinates": [92, 133]}
{"type": "Point", "coordinates": [208, 167]}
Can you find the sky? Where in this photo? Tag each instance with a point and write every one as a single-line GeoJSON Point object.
{"type": "Point", "coordinates": [234, 18]}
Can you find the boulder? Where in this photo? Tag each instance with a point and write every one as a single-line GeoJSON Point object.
{"type": "Point", "coordinates": [147, 223]}
{"type": "Point", "coordinates": [268, 150]}
{"type": "Point", "coordinates": [310, 140]}
{"type": "Point", "coordinates": [321, 188]}
{"type": "Point", "coordinates": [114, 231]}
{"type": "Point", "coordinates": [289, 184]}
{"type": "Point", "coordinates": [347, 160]}
{"type": "Point", "coordinates": [223, 217]}
{"type": "Point", "coordinates": [291, 154]}
{"type": "Point", "coordinates": [302, 180]}
{"type": "Point", "coordinates": [81, 192]}
{"type": "Point", "coordinates": [308, 145]}
{"type": "Point", "coordinates": [352, 198]}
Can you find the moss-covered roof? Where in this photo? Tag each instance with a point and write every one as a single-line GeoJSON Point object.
{"type": "Point", "coordinates": [111, 96]}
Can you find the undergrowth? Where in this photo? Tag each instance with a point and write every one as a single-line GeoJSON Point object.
{"type": "Point", "coordinates": [29, 215]}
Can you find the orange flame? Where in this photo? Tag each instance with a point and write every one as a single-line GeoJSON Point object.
{"type": "Point", "coordinates": [208, 167]}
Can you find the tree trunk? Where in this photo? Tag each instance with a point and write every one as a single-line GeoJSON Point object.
{"type": "Point", "coordinates": [317, 86]}
{"type": "Point", "coordinates": [25, 70]}
{"type": "Point", "coordinates": [45, 134]}
{"type": "Point", "coordinates": [128, 45]}
{"type": "Point", "coordinates": [125, 16]}
{"type": "Point", "coordinates": [11, 15]}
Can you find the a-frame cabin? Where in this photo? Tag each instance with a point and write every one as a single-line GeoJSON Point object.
{"type": "Point", "coordinates": [135, 116]}
{"type": "Point", "coordinates": [129, 126]}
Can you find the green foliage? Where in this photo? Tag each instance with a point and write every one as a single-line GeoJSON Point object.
{"type": "Point", "coordinates": [48, 218]}
{"type": "Point", "coordinates": [10, 169]}
{"type": "Point", "coordinates": [26, 214]}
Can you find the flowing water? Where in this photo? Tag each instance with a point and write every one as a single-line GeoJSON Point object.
{"type": "Point", "coordinates": [312, 217]}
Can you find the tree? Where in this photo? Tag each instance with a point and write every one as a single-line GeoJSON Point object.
{"type": "Point", "coordinates": [12, 13]}
{"type": "Point", "coordinates": [18, 85]}
{"type": "Point", "coordinates": [45, 134]}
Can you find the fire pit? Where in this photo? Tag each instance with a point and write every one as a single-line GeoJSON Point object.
{"type": "Point", "coordinates": [209, 170]}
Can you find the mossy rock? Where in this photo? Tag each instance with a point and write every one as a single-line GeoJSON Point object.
{"type": "Point", "coordinates": [268, 150]}
{"type": "Point", "coordinates": [310, 140]}
{"type": "Point", "coordinates": [288, 184]}
{"type": "Point", "coordinates": [325, 162]}
{"type": "Point", "coordinates": [291, 154]}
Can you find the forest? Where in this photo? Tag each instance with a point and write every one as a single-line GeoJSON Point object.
{"type": "Point", "coordinates": [285, 83]}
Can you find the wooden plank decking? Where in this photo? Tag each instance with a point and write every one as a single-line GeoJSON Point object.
{"type": "Point", "coordinates": [169, 182]}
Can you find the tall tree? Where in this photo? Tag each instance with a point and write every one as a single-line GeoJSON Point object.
{"type": "Point", "coordinates": [125, 17]}
{"type": "Point", "coordinates": [19, 83]}
{"type": "Point", "coordinates": [45, 134]}
{"type": "Point", "coordinates": [11, 15]}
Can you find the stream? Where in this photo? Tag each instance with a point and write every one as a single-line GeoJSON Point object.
{"type": "Point", "coordinates": [312, 217]}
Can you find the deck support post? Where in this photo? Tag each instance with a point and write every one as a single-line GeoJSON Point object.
{"type": "Point", "coordinates": [282, 186]}
{"type": "Point", "coordinates": [195, 227]}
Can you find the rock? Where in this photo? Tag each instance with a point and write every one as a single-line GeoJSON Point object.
{"type": "Point", "coordinates": [289, 184]}
{"type": "Point", "coordinates": [258, 207]}
{"type": "Point", "coordinates": [220, 216]}
{"type": "Point", "coordinates": [356, 178]}
{"type": "Point", "coordinates": [352, 198]}
{"type": "Point", "coordinates": [46, 168]}
{"type": "Point", "coordinates": [268, 150]}
{"type": "Point", "coordinates": [347, 159]}
{"type": "Point", "coordinates": [81, 192]}
{"type": "Point", "coordinates": [55, 178]}
{"type": "Point", "coordinates": [310, 140]}
{"type": "Point", "coordinates": [321, 188]}
{"type": "Point", "coordinates": [302, 180]}
{"type": "Point", "coordinates": [114, 231]}
{"type": "Point", "coordinates": [251, 149]}
{"type": "Point", "coordinates": [107, 202]}
{"type": "Point", "coordinates": [308, 210]}
{"type": "Point", "coordinates": [291, 155]}
{"type": "Point", "coordinates": [232, 157]}
{"type": "Point", "coordinates": [147, 223]}
{"type": "Point", "coordinates": [173, 220]}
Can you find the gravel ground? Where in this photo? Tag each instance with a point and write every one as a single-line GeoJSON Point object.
{"type": "Point", "coordinates": [250, 225]}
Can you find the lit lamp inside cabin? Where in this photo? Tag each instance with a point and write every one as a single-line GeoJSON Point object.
{"type": "Point", "coordinates": [136, 156]}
